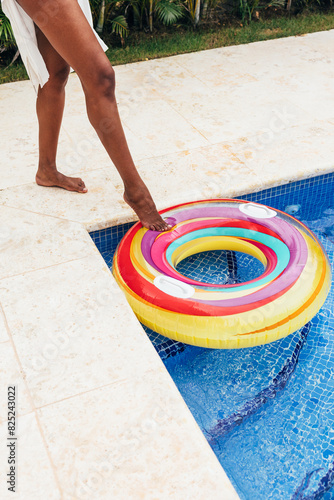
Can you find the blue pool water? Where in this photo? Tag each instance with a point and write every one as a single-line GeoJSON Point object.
{"type": "Point", "coordinates": [267, 411]}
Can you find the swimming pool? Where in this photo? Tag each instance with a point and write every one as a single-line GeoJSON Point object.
{"type": "Point", "coordinates": [267, 411]}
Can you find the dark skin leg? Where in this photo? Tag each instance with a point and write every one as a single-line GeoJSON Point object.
{"type": "Point", "coordinates": [68, 32]}
{"type": "Point", "coordinates": [50, 108]}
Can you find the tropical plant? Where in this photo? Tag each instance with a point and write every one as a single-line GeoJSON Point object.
{"type": "Point", "coordinates": [194, 9]}
{"type": "Point", "coordinates": [119, 26]}
{"type": "Point", "coordinates": [166, 12]}
{"type": "Point", "coordinates": [96, 6]}
{"type": "Point", "coordinates": [7, 39]}
{"type": "Point", "coordinates": [102, 12]}
{"type": "Point", "coordinates": [139, 12]}
{"type": "Point", "coordinates": [100, 22]}
{"type": "Point", "coordinates": [246, 9]}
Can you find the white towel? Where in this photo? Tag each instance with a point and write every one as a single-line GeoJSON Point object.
{"type": "Point", "coordinates": [25, 36]}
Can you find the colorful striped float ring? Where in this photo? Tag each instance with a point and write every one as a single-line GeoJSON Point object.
{"type": "Point", "coordinates": [291, 290]}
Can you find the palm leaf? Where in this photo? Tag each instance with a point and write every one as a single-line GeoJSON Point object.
{"type": "Point", "coordinates": [169, 12]}
{"type": "Point", "coordinates": [6, 32]}
{"type": "Point", "coordinates": [119, 26]}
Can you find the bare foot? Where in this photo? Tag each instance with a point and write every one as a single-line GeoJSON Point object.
{"type": "Point", "coordinates": [55, 178]}
{"type": "Point", "coordinates": [141, 202]}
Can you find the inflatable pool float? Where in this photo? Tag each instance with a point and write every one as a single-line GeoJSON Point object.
{"type": "Point", "coordinates": [290, 291]}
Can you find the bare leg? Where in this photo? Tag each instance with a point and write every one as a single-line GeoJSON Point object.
{"type": "Point", "coordinates": [50, 107]}
{"type": "Point", "coordinates": [68, 31]}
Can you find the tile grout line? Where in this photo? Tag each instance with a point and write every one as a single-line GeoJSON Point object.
{"type": "Point", "coordinates": [31, 401]}
{"type": "Point", "coordinates": [84, 225]}
{"type": "Point", "coordinates": [40, 213]}
{"type": "Point", "coordinates": [118, 381]}
{"type": "Point", "coordinates": [92, 252]}
{"type": "Point", "coordinates": [97, 388]}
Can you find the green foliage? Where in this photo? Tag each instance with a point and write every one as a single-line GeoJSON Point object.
{"type": "Point", "coordinates": [145, 12]}
{"type": "Point", "coordinates": [114, 15]}
{"type": "Point", "coordinates": [298, 6]}
{"type": "Point", "coordinates": [119, 26]}
{"type": "Point", "coordinates": [246, 9]}
{"type": "Point", "coordinates": [193, 8]}
{"type": "Point", "coordinates": [138, 10]}
{"type": "Point", "coordinates": [108, 13]}
{"type": "Point", "coordinates": [7, 39]}
{"type": "Point", "coordinates": [95, 6]}
{"type": "Point", "coordinates": [169, 12]}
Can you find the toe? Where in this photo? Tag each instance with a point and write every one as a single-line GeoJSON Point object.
{"type": "Point", "coordinates": [82, 186]}
{"type": "Point", "coordinates": [162, 226]}
{"type": "Point", "coordinates": [166, 226]}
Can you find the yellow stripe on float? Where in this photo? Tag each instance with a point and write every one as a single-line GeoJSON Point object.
{"type": "Point", "coordinates": [208, 243]}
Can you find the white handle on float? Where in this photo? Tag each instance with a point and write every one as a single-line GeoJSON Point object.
{"type": "Point", "coordinates": [174, 287]}
{"type": "Point", "coordinates": [258, 211]}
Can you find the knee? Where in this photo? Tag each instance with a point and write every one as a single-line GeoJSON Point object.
{"type": "Point", "coordinates": [58, 78]}
{"type": "Point", "coordinates": [103, 82]}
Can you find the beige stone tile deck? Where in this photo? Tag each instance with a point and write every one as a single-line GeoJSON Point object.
{"type": "Point", "coordinates": [99, 416]}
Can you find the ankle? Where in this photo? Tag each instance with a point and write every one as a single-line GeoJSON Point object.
{"type": "Point", "coordinates": [45, 168]}
{"type": "Point", "coordinates": [135, 192]}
